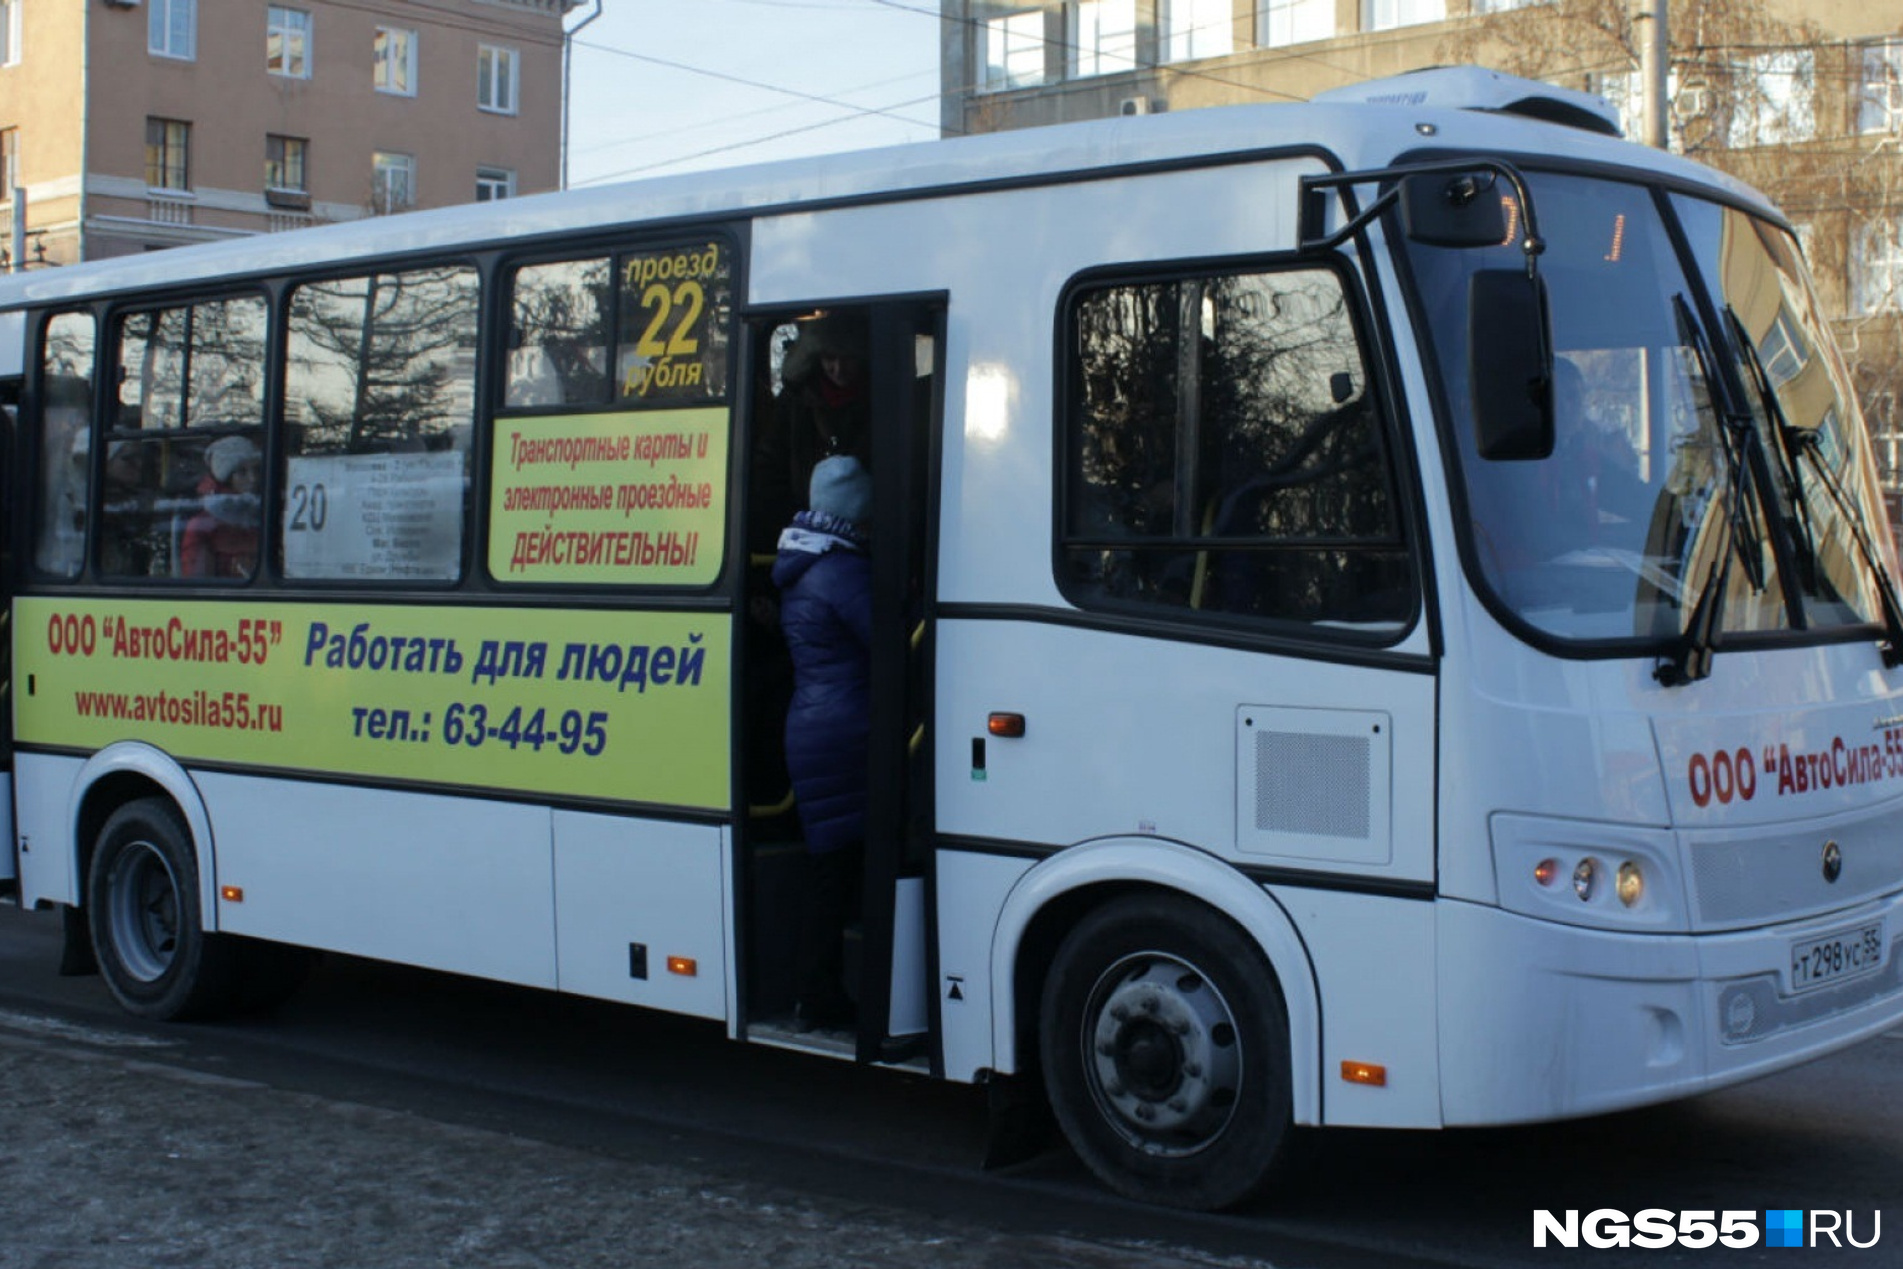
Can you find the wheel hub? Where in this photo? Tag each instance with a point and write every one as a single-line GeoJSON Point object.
{"type": "Point", "coordinates": [143, 907]}
{"type": "Point", "coordinates": [1162, 1055]}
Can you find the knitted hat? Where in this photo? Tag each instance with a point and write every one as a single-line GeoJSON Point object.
{"type": "Point", "coordinates": [842, 488]}
{"type": "Point", "coordinates": [228, 454]}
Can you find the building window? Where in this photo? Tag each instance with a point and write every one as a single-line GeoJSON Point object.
{"type": "Point", "coordinates": [284, 162]}
{"type": "Point", "coordinates": [393, 186]}
{"type": "Point", "coordinates": [493, 183]}
{"type": "Point", "coordinates": [1881, 106]}
{"type": "Point", "coordinates": [1013, 51]}
{"type": "Point", "coordinates": [287, 42]}
{"type": "Point", "coordinates": [167, 152]}
{"type": "Point", "coordinates": [1772, 99]}
{"type": "Point", "coordinates": [1194, 29]}
{"type": "Point", "coordinates": [171, 28]}
{"type": "Point", "coordinates": [1385, 15]}
{"type": "Point", "coordinates": [9, 32]}
{"type": "Point", "coordinates": [9, 162]}
{"type": "Point", "coordinates": [1224, 458]}
{"type": "Point", "coordinates": [396, 61]}
{"type": "Point", "coordinates": [496, 79]}
{"type": "Point", "coordinates": [1103, 37]}
{"type": "Point", "coordinates": [1876, 267]}
{"type": "Point", "coordinates": [1286, 22]}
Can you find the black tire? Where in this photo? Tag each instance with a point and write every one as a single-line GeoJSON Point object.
{"type": "Point", "coordinates": [1165, 1047]}
{"type": "Point", "coordinates": [147, 929]}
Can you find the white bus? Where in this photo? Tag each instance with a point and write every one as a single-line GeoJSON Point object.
{"type": "Point", "coordinates": [1382, 617]}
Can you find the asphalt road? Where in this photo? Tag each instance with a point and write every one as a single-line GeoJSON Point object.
{"type": "Point", "coordinates": [388, 1117]}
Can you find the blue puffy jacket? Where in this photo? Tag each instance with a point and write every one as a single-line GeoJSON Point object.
{"type": "Point", "coordinates": [825, 583]}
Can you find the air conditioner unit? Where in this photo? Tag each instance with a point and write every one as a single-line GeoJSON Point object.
{"type": "Point", "coordinates": [1134, 106]}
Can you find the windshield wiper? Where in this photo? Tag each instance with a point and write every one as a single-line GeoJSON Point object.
{"type": "Point", "coordinates": [1805, 443]}
{"type": "Point", "coordinates": [1801, 523]}
{"type": "Point", "coordinates": [1690, 659]}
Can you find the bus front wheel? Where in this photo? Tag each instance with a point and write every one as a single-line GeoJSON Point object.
{"type": "Point", "coordinates": [152, 947]}
{"type": "Point", "coordinates": [1164, 1041]}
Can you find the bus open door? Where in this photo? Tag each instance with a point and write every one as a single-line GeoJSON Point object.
{"type": "Point", "coordinates": [885, 947]}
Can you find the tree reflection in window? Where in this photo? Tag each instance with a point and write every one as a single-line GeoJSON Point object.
{"type": "Point", "coordinates": [1225, 455]}
{"type": "Point", "coordinates": [379, 406]}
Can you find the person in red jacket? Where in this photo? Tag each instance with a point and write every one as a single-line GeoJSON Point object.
{"type": "Point", "coordinates": [222, 539]}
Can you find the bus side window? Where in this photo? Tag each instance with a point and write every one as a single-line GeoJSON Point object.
{"type": "Point", "coordinates": [379, 413]}
{"type": "Point", "coordinates": [1224, 455]}
{"type": "Point", "coordinates": [65, 443]}
{"type": "Point", "coordinates": [558, 334]}
{"type": "Point", "coordinates": [183, 464]}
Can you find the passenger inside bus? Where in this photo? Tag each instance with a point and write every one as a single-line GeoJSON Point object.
{"type": "Point", "coordinates": [825, 581]}
{"type": "Point", "coordinates": [222, 539]}
{"type": "Point", "coordinates": [824, 408]}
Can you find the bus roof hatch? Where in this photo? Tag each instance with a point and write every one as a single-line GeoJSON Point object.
{"type": "Point", "coordinates": [1476, 88]}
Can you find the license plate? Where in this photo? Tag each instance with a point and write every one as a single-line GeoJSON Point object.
{"type": "Point", "coordinates": [1833, 957]}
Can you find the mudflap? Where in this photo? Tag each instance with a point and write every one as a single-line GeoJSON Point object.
{"type": "Point", "coordinates": [1019, 1125]}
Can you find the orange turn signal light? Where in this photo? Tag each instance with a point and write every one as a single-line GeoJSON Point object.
{"type": "Point", "coordinates": [231, 894]}
{"type": "Point", "coordinates": [1010, 726]}
{"type": "Point", "coordinates": [685, 966]}
{"type": "Point", "coordinates": [1365, 1073]}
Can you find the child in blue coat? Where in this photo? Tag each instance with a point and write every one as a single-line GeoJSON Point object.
{"type": "Point", "coordinates": [825, 581]}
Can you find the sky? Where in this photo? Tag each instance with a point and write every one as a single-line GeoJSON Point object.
{"type": "Point", "coordinates": [666, 86]}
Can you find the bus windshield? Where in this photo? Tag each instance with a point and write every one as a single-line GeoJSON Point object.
{"type": "Point", "coordinates": [1671, 472]}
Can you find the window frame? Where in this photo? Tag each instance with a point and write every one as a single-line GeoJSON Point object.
{"type": "Point", "coordinates": [1387, 428]}
{"type": "Point", "coordinates": [491, 60]}
{"type": "Point", "coordinates": [1000, 27]}
{"type": "Point", "coordinates": [288, 146]}
{"type": "Point", "coordinates": [395, 57]}
{"type": "Point", "coordinates": [1177, 43]}
{"type": "Point", "coordinates": [162, 21]}
{"type": "Point", "coordinates": [1885, 113]}
{"type": "Point", "coordinates": [500, 177]}
{"type": "Point", "coordinates": [1287, 11]}
{"type": "Point", "coordinates": [9, 162]}
{"type": "Point", "coordinates": [1101, 55]}
{"type": "Point", "coordinates": [167, 144]}
{"type": "Point", "coordinates": [382, 161]}
{"type": "Point", "coordinates": [9, 33]}
{"type": "Point", "coordinates": [1371, 18]}
{"type": "Point", "coordinates": [299, 30]}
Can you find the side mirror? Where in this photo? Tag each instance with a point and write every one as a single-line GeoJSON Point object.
{"type": "Point", "coordinates": [1510, 365]}
{"type": "Point", "coordinates": [1459, 209]}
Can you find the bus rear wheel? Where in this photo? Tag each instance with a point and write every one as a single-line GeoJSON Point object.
{"type": "Point", "coordinates": [1165, 1048]}
{"type": "Point", "coordinates": [147, 931]}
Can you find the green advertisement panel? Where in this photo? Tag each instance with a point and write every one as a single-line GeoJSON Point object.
{"type": "Point", "coordinates": [629, 498]}
{"type": "Point", "coordinates": [628, 706]}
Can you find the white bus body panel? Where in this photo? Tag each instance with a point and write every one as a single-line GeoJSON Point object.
{"type": "Point", "coordinates": [51, 790]}
{"type": "Point", "coordinates": [44, 810]}
{"type": "Point", "coordinates": [1545, 1021]}
{"type": "Point", "coordinates": [1156, 733]}
{"type": "Point", "coordinates": [621, 881]}
{"type": "Point", "coordinates": [440, 882]}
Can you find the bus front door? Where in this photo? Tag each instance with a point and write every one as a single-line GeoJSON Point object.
{"type": "Point", "coordinates": [864, 380]}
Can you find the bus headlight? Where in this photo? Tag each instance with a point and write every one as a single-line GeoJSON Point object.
{"type": "Point", "coordinates": [1631, 883]}
{"type": "Point", "coordinates": [1623, 877]}
{"type": "Point", "coordinates": [1585, 873]}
